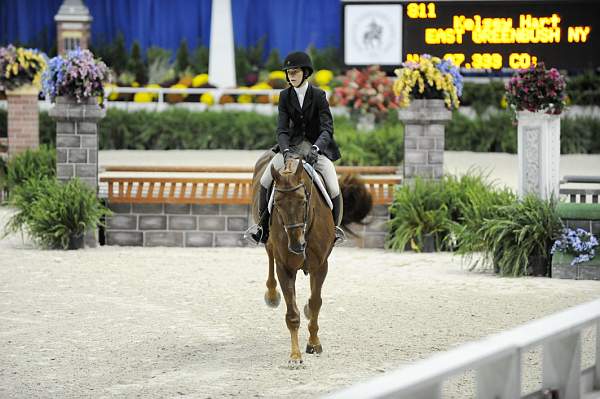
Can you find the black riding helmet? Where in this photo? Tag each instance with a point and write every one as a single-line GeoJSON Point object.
{"type": "Point", "coordinates": [298, 59]}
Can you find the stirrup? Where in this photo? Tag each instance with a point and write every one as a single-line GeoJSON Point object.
{"type": "Point", "coordinates": [254, 234]}
{"type": "Point", "coordinates": [340, 236]}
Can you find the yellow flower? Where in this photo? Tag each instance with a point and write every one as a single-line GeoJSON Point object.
{"type": "Point", "coordinates": [113, 96]}
{"type": "Point", "coordinates": [153, 86]}
{"type": "Point", "coordinates": [261, 86]}
{"type": "Point", "coordinates": [200, 80]}
{"type": "Point", "coordinates": [135, 84]}
{"type": "Point", "coordinates": [273, 75]}
{"type": "Point", "coordinates": [244, 99]}
{"type": "Point", "coordinates": [142, 97]}
{"type": "Point", "coordinates": [207, 98]}
{"type": "Point", "coordinates": [323, 77]}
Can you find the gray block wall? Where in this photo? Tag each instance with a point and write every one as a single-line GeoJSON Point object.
{"type": "Point", "coordinates": [177, 225]}
{"type": "Point", "coordinates": [77, 139]}
{"type": "Point", "coordinates": [424, 136]}
{"type": "Point", "coordinates": [218, 225]}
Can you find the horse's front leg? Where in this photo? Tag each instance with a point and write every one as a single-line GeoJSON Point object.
{"type": "Point", "coordinates": [272, 297]}
{"type": "Point", "coordinates": [287, 282]}
{"type": "Point", "coordinates": [313, 307]}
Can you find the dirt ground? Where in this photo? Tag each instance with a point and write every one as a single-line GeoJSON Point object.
{"type": "Point", "coordinates": [181, 322]}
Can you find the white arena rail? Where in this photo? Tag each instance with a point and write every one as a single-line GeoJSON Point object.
{"type": "Point", "coordinates": [497, 363]}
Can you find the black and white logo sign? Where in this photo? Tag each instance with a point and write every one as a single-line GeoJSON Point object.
{"type": "Point", "coordinates": [373, 34]}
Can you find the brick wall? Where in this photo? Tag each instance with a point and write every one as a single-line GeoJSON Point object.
{"type": "Point", "coordinates": [218, 225]}
{"type": "Point", "coordinates": [23, 121]}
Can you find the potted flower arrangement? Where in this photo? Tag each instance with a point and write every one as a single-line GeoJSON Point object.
{"type": "Point", "coordinates": [21, 68]}
{"type": "Point", "coordinates": [20, 74]}
{"type": "Point", "coordinates": [430, 78]}
{"type": "Point", "coordinates": [537, 89]}
{"type": "Point", "coordinates": [573, 252]}
{"type": "Point", "coordinates": [77, 76]}
{"type": "Point", "coordinates": [367, 93]}
{"type": "Point", "coordinates": [537, 95]}
{"type": "Point", "coordinates": [426, 91]}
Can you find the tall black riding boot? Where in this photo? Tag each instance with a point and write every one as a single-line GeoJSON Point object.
{"type": "Point", "coordinates": [338, 208]}
{"type": "Point", "coordinates": [259, 233]}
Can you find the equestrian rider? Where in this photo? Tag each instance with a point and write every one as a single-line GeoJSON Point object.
{"type": "Point", "coordinates": [305, 127]}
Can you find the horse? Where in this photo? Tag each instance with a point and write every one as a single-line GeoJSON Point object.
{"type": "Point", "coordinates": [302, 238]}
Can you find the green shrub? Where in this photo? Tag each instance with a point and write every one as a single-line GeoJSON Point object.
{"type": "Point", "coordinates": [495, 132]}
{"type": "Point", "coordinates": [451, 209]}
{"type": "Point", "coordinates": [520, 236]}
{"type": "Point", "coordinates": [580, 135]}
{"type": "Point", "coordinates": [54, 213]}
{"type": "Point", "coordinates": [482, 96]}
{"type": "Point", "coordinates": [418, 209]}
{"type": "Point", "coordinates": [30, 164]}
{"type": "Point", "coordinates": [584, 89]}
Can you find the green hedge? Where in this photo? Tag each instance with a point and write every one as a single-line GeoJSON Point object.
{"type": "Point", "coordinates": [178, 128]}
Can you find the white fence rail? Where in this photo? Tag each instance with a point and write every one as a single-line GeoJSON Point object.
{"type": "Point", "coordinates": [216, 92]}
{"type": "Point", "coordinates": [497, 363]}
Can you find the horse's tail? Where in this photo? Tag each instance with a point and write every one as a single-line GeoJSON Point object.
{"type": "Point", "coordinates": [358, 201]}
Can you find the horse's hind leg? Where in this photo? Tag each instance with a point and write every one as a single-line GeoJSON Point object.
{"type": "Point", "coordinates": [314, 306]}
{"type": "Point", "coordinates": [272, 297]}
{"type": "Point", "coordinates": [287, 281]}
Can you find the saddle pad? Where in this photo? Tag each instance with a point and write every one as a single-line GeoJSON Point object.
{"type": "Point", "coordinates": [318, 182]}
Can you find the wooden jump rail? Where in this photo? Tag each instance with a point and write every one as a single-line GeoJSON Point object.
{"type": "Point", "coordinates": [363, 170]}
{"type": "Point", "coordinates": [212, 190]}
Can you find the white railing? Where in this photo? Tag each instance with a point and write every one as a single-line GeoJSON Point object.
{"type": "Point", "coordinates": [216, 93]}
{"type": "Point", "coordinates": [497, 363]}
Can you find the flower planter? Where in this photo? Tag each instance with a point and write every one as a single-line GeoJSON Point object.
{"type": "Point", "coordinates": [539, 154]}
{"type": "Point", "coordinates": [76, 241]}
{"type": "Point", "coordinates": [424, 124]}
{"type": "Point", "coordinates": [561, 268]}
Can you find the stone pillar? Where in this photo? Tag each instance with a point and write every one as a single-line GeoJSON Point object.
{"type": "Point", "coordinates": [539, 154]}
{"type": "Point", "coordinates": [77, 144]}
{"type": "Point", "coordinates": [23, 119]}
{"type": "Point", "coordinates": [424, 123]}
{"type": "Point", "coordinates": [77, 139]}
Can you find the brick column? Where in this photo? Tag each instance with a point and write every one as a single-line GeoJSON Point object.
{"type": "Point", "coordinates": [424, 124]}
{"type": "Point", "coordinates": [23, 119]}
{"type": "Point", "coordinates": [77, 139]}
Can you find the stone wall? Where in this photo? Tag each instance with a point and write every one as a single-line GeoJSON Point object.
{"type": "Point", "coordinates": [218, 225]}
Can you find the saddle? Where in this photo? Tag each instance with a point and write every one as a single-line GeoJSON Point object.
{"type": "Point", "coordinates": [318, 181]}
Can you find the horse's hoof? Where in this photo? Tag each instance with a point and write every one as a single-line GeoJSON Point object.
{"type": "Point", "coordinates": [295, 364]}
{"type": "Point", "coordinates": [306, 311]}
{"type": "Point", "coordinates": [272, 301]}
{"type": "Point", "coordinates": [314, 349]}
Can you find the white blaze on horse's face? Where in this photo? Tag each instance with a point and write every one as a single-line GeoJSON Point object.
{"type": "Point", "coordinates": [290, 207]}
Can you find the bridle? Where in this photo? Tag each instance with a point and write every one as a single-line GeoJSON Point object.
{"type": "Point", "coordinates": [304, 222]}
{"type": "Point", "coordinates": [307, 196]}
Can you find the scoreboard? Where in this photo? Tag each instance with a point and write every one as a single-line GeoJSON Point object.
{"type": "Point", "coordinates": [479, 36]}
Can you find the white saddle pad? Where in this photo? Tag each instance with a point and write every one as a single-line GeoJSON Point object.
{"type": "Point", "coordinates": [318, 181]}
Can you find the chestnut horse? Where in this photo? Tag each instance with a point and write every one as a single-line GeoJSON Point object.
{"type": "Point", "coordinates": [301, 238]}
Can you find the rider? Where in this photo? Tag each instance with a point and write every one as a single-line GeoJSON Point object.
{"type": "Point", "coordinates": [305, 127]}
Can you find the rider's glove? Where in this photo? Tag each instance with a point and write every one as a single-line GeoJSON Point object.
{"type": "Point", "coordinates": [313, 156]}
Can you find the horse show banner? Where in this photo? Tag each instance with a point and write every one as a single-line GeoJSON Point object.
{"type": "Point", "coordinates": [479, 36]}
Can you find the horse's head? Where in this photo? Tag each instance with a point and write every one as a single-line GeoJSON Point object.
{"type": "Point", "coordinates": [291, 203]}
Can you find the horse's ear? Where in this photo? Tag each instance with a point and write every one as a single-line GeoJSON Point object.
{"type": "Point", "coordinates": [275, 173]}
{"type": "Point", "coordinates": [299, 169]}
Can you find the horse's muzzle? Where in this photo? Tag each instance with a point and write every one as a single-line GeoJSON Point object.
{"type": "Point", "coordinates": [297, 249]}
